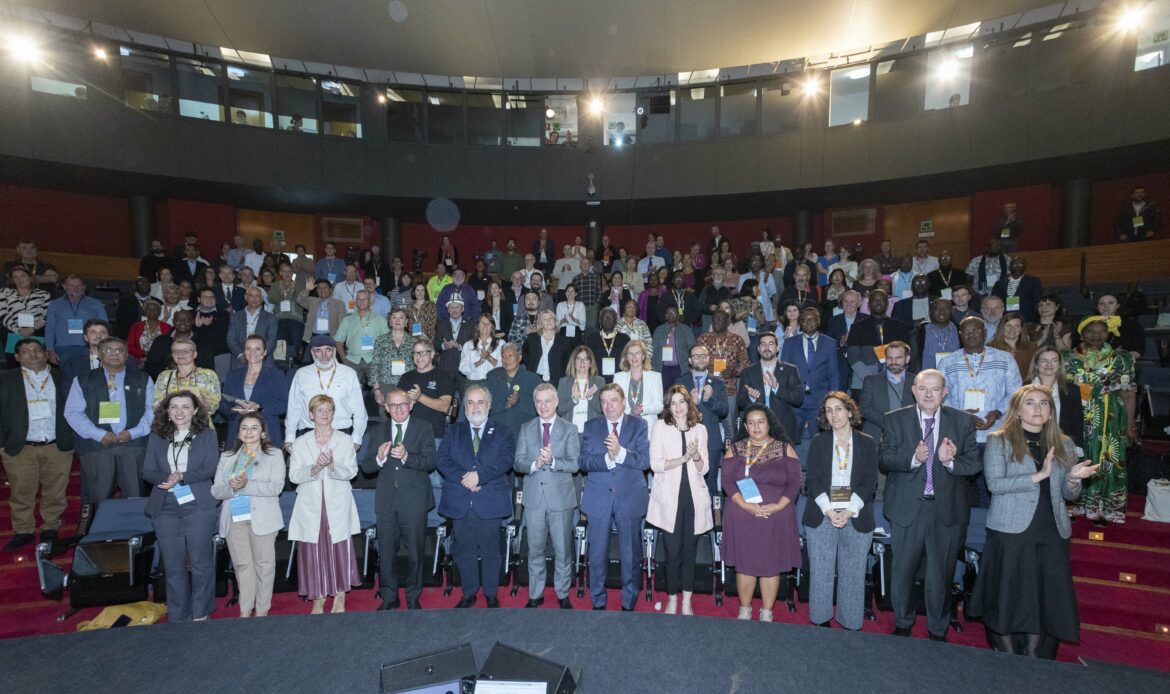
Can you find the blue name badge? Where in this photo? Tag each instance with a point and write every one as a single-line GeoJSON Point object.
{"type": "Point", "coordinates": [751, 324]}
{"type": "Point", "coordinates": [332, 277]}
{"type": "Point", "coordinates": [76, 326]}
{"type": "Point", "coordinates": [241, 508]}
{"type": "Point", "coordinates": [183, 494]}
{"type": "Point", "coordinates": [367, 343]}
{"type": "Point", "coordinates": [416, 329]}
{"type": "Point", "coordinates": [749, 491]}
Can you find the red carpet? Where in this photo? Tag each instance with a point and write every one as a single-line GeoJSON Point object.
{"type": "Point", "coordinates": [1117, 619]}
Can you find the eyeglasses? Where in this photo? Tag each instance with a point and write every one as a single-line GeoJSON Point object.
{"type": "Point", "coordinates": [182, 351]}
{"type": "Point", "coordinates": [113, 350]}
{"type": "Point", "coordinates": [398, 405]}
{"type": "Point", "coordinates": [423, 352]}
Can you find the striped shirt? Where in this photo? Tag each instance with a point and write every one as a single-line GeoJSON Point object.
{"type": "Point", "coordinates": [12, 305]}
{"type": "Point", "coordinates": [991, 376]}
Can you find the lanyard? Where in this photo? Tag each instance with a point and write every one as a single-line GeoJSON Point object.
{"type": "Point", "coordinates": [249, 460]}
{"type": "Point", "coordinates": [177, 450]}
{"type": "Point", "coordinates": [608, 344]}
{"type": "Point", "coordinates": [40, 389]}
{"type": "Point", "coordinates": [749, 459]}
{"type": "Point", "coordinates": [843, 455]}
{"type": "Point", "coordinates": [325, 386]}
{"type": "Point", "coordinates": [974, 372]}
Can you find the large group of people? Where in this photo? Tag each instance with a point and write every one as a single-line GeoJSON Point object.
{"type": "Point", "coordinates": [677, 389]}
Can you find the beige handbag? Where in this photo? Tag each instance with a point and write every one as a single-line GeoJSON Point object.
{"type": "Point", "coordinates": [1158, 501]}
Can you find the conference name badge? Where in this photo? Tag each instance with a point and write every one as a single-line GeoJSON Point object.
{"type": "Point", "coordinates": [416, 329]}
{"type": "Point", "coordinates": [974, 399]}
{"type": "Point", "coordinates": [109, 412]}
{"type": "Point", "coordinates": [879, 351]}
{"type": "Point", "coordinates": [667, 353]}
{"type": "Point", "coordinates": [397, 367]}
{"type": "Point", "coordinates": [75, 326]}
{"type": "Point", "coordinates": [719, 365]}
{"type": "Point", "coordinates": [367, 343]}
{"type": "Point", "coordinates": [608, 366]}
{"type": "Point", "coordinates": [947, 293]}
{"type": "Point", "coordinates": [1005, 233]}
{"type": "Point", "coordinates": [286, 306]}
{"type": "Point", "coordinates": [241, 507]}
{"type": "Point", "coordinates": [749, 491]}
{"type": "Point", "coordinates": [839, 497]}
{"type": "Point", "coordinates": [1013, 303]}
{"type": "Point", "coordinates": [183, 494]}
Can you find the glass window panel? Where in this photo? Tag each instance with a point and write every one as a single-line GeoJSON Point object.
{"type": "Point", "coordinates": [1001, 72]}
{"type": "Point", "coordinates": [404, 115]}
{"type": "Point", "coordinates": [898, 89]}
{"type": "Point", "coordinates": [1153, 43]}
{"type": "Point", "coordinates": [48, 85]}
{"type": "Point", "coordinates": [61, 72]}
{"type": "Point", "coordinates": [779, 106]}
{"type": "Point", "coordinates": [1060, 58]}
{"type": "Point", "coordinates": [700, 109]}
{"type": "Point", "coordinates": [484, 122]}
{"type": "Point", "coordinates": [849, 95]}
{"type": "Point", "coordinates": [146, 80]}
{"type": "Point", "coordinates": [657, 120]}
{"type": "Point", "coordinates": [948, 77]}
{"type": "Point", "coordinates": [250, 96]}
{"type": "Point", "coordinates": [341, 108]}
{"type": "Point", "coordinates": [445, 118]}
{"type": "Point", "coordinates": [737, 109]}
{"type": "Point", "coordinates": [200, 91]}
{"type": "Point", "coordinates": [620, 122]}
{"type": "Point", "coordinates": [524, 118]}
{"type": "Point", "coordinates": [297, 100]}
{"type": "Point", "coordinates": [561, 128]}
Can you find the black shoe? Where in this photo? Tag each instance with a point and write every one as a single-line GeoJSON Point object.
{"type": "Point", "coordinates": [48, 536]}
{"type": "Point", "coordinates": [493, 602]}
{"type": "Point", "coordinates": [599, 608]}
{"type": "Point", "coordinates": [534, 603]}
{"type": "Point", "coordinates": [19, 540]}
{"type": "Point", "coordinates": [565, 604]}
{"type": "Point", "coordinates": [826, 624]}
{"type": "Point", "coordinates": [1100, 523]}
{"type": "Point", "coordinates": [414, 605]}
{"type": "Point", "coordinates": [388, 605]}
{"type": "Point", "coordinates": [942, 638]}
{"type": "Point", "coordinates": [466, 601]}
{"type": "Point", "coordinates": [901, 631]}
{"type": "Point", "coordinates": [627, 609]}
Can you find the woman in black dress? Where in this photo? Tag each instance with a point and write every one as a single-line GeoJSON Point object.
{"type": "Point", "coordinates": [1025, 591]}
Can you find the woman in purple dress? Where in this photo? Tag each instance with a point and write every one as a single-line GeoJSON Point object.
{"type": "Point", "coordinates": [760, 534]}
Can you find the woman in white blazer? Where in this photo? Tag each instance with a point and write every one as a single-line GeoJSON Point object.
{"type": "Point", "coordinates": [325, 517]}
{"type": "Point", "coordinates": [642, 386]}
{"type": "Point", "coordinates": [250, 478]}
{"type": "Point", "coordinates": [680, 504]}
{"type": "Point", "coordinates": [1025, 592]}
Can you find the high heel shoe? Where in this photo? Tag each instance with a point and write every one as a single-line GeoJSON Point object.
{"type": "Point", "coordinates": [338, 603]}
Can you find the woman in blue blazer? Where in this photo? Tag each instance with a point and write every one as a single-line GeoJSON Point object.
{"type": "Point", "coordinates": [255, 387]}
{"type": "Point", "coordinates": [182, 454]}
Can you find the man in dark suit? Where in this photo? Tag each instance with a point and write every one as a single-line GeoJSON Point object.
{"type": "Point", "coordinates": [228, 296]}
{"type": "Point", "coordinates": [839, 326]}
{"type": "Point", "coordinates": [709, 394]}
{"type": "Point", "coordinates": [451, 333]}
{"type": "Point", "coordinates": [544, 252]}
{"type": "Point", "coordinates": [132, 306]}
{"type": "Point", "coordinates": [889, 389]}
{"type": "Point", "coordinates": [510, 385]}
{"type": "Point", "coordinates": [191, 266]}
{"type": "Point", "coordinates": [401, 452]}
{"type": "Point", "coordinates": [815, 357]}
{"type": "Point", "coordinates": [1019, 291]}
{"type": "Point", "coordinates": [928, 452]}
{"type": "Point", "coordinates": [474, 460]}
{"type": "Point", "coordinates": [774, 383]}
{"type": "Point", "coordinates": [869, 332]}
{"type": "Point", "coordinates": [547, 453]}
{"type": "Point", "coordinates": [915, 308]}
{"type": "Point", "coordinates": [37, 443]}
{"type": "Point", "coordinates": [615, 454]}
{"type": "Point", "coordinates": [157, 259]}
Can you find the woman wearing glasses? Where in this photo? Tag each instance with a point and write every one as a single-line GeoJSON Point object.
{"type": "Point", "coordinates": [185, 375]}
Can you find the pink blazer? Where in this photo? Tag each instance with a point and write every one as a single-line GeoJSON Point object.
{"type": "Point", "coordinates": [665, 444]}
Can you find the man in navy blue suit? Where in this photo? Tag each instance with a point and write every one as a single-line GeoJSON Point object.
{"type": "Point", "coordinates": [228, 296]}
{"type": "Point", "coordinates": [615, 455]}
{"type": "Point", "coordinates": [474, 459]}
{"type": "Point", "coordinates": [815, 358]}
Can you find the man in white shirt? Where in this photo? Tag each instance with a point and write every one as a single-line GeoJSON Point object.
{"type": "Point", "coordinates": [325, 377]}
{"type": "Point", "coordinates": [347, 289]}
{"type": "Point", "coordinates": [255, 259]}
{"type": "Point", "coordinates": [767, 287]}
{"type": "Point", "coordinates": [923, 263]}
{"type": "Point", "coordinates": [567, 268]}
{"type": "Point", "coordinates": [651, 261]}
{"type": "Point", "coordinates": [547, 450]}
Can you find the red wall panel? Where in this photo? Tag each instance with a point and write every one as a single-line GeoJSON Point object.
{"type": "Point", "coordinates": [213, 223]}
{"type": "Point", "coordinates": [1110, 197]}
{"type": "Point", "coordinates": [64, 222]}
{"type": "Point", "coordinates": [1038, 207]}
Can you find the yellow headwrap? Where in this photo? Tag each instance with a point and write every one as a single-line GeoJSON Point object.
{"type": "Point", "coordinates": [1112, 324]}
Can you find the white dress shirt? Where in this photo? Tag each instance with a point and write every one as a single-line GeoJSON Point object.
{"type": "Point", "coordinates": [342, 386]}
{"type": "Point", "coordinates": [394, 426]}
{"type": "Point", "coordinates": [41, 396]}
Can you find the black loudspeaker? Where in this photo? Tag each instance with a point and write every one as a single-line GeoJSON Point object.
{"type": "Point", "coordinates": [508, 664]}
{"type": "Point", "coordinates": [110, 573]}
{"type": "Point", "coordinates": [451, 671]}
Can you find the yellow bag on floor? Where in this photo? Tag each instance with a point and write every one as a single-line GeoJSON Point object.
{"type": "Point", "coordinates": [139, 614]}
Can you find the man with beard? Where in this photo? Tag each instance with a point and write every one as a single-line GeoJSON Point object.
{"type": "Point", "coordinates": [889, 389]}
{"type": "Point", "coordinates": [774, 383]}
{"type": "Point", "coordinates": [325, 377]}
{"type": "Point", "coordinates": [933, 340]}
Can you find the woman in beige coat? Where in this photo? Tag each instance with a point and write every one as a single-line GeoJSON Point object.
{"type": "Point", "coordinates": [679, 502]}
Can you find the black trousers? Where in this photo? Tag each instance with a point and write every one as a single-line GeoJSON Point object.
{"type": "Point", "coordinates": [407, 530]}
{"type": "Point", "coordinates": [680, 544]}
{"type": "Point", "coordinates": [477, 538]}
{"type": "Point", "coordinates": [940, 545]}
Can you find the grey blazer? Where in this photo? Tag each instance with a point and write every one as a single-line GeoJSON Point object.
{"type": "Point", "coordinates": [265, 483]}
{"type": "Point", "coordinates": [550, 488]}
{"type": "Point", "coordinates": [238, 333]}
{"type": "Point", "coordinates": [565, 397]}
{"type": "Point", "coordinates": [1014, 494]}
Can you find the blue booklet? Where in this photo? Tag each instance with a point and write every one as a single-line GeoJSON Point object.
{"type": "Point", "coordinates": [749, 491]}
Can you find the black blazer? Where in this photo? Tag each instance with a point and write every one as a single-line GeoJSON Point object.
{"type": "Point", "coordinates": [14, 406]}
{"type": "Point", "coordinates": [449, 358]}
{"type": "Point", "coordinates": [1072, 413]}
{"type": "Point", "coordinates": [183, 271]}
{"type": "Point", "coordinates": [506, 315]}
{"type": "Point", "coordinates": [402, 486]}
{"type": "Point", "coordinates": [595, 345]}
{"type": "Point", "coordinates": [237, 300]}
{"type": "Point", "coordinates": [875, 401]}
{"type": "Point", "coordinates": [713, 410]}
{"type": "Point", "coordinates": [558, 355]}
{"type": "Point", "coordinates": [270, 392]}
{"type": "Point", "coordinates": [202, 462]}
{"type": "Point", "coordinates": [1029, 293]}
{"type": "Point", "coordinates": [862, 478]}
{"type": "Point", "coordinates": [901, 434]}
{"type": "Point", "coordinates": [789, 396]}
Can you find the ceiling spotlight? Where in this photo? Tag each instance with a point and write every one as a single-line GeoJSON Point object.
{"type": "Point", "coordinates": [24, 48]}
{"type": "Point", "coordinates": [1131, 18]}
{"type": "Point", "coordinates": [641, 110]}
{"type": "Point", "coordinates": [100, 53]}
{"type": "Point", "coordinates": [811, 85]}
{"type": "Point", "coordinates": [381, 98]}
{"type": "Point", "coordinates": [596, 105]}
{"type": "Point", "coordinates": [550, 114]}
{"type": "Point", "coordinates": [857, 121]}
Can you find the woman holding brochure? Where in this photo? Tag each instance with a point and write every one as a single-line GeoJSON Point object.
{"type": "Point", "coordinates": [762, 475]}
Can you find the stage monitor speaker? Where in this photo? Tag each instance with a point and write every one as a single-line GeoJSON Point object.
{"type": "Point", "coordinates": [109, 573]}
{"type": "Point", "coordinates": [451, 671]}
{"type": "Point", "coordinates": [506, 664]}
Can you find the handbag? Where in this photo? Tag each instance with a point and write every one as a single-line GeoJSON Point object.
{"type": "Point", "coordinates": [1158, 501]}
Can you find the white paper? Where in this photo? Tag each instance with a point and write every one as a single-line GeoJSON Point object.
{"type": "Point", "coordinates": [608, 366]}
{"type": "Point", "coordinates": [25, 320]}
{"type": "Point", "coordinates": [322, 325]}
{"type": "Point", "coordinates": [286, 306]}
{"type": "Point", "coordinates": [974, 398]}
{"type": "Point", "coordinates": [667, 353]}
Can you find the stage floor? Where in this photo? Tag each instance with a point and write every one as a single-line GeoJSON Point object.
{"type": "Point", "coordinates": [614, 651]}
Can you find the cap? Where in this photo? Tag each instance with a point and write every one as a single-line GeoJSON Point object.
{"type": "Point", "coordinates": [455, 299]}
{"type": "Point", "coordinates": [321, 341]}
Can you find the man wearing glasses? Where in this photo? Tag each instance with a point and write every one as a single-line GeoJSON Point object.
{"type": "Point", "coordinates": [109, 410]}
{"type": "Point", "coordinates": [430, 389]}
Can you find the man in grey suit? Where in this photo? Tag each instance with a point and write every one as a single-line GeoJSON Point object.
{"type": "Point", "coordinates": [547, 450]}
{"type": "Point", "coordinates": [889, 389]}
{"type": "Point", "coordinates": [928, 451]}
{"type": "Point", "coordinates": [253, 320]}
{"type": "Point", "coordinates": [401, 451]}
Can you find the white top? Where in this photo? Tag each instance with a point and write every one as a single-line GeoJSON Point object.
{"type": "Point", "coordinates": [581, 409]}
{"type": "Point", "coordinates": [574, 316]}
{"type": "Point", "coordinates": [342, 386]}
{"type": "Point", "coordinates": [470, 354]}
{"type": "Point", "coordinates": [41, 396]}
{"type": "Point", "coordinates": [842, 477]}
{"type": "Point", "coordinates": [347, 294]}
{"type": "Point", "coordinates": [546, 345]}
{"type": "Point", "coordinates": [178, 449]}
{"type": "Point", "coordinates": [651, 394]}
{"type": "Point", "coordinates": [849, 268]}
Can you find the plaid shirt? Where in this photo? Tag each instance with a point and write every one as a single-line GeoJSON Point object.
{"type": "Point", "coordinates": [732, 348]}
{"type": "Point", "coordinates": [588, 288]}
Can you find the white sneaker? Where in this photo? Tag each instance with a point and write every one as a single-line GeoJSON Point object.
{"type": "Point", "coordinates": [765, 615]}
{"type": "Point", "coordinates": [745, 613]}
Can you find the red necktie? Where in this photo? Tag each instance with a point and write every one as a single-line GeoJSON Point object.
{"type": "Point", "coordinates": [544, 437]}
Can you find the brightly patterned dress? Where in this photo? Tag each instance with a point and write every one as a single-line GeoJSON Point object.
{"type": "Point", "coordinates": [1101, 377]}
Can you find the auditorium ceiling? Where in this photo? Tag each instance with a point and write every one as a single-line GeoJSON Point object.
{"type": "Point", "coordinates": [547, 38]}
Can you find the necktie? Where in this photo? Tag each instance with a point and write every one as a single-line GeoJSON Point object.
{"type": "Point", "coordinates": [812, 346]}
{"type": "Point", "coordinates": [544, 437]}
{"type": "Point", "coordinates": [397, 434]}
{"type": "Point", "coordinates": [227, 292]}
{"type": "Point", "coordinates": [928, 439]}
{"type": "Point", "coordinates": [475, 440]}
{"type": "Point", "coordinates": [699, 385]}
{"type": "Point", "coordinates": [614, 425]}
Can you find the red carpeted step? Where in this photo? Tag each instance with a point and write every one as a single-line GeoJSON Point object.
{"type": "Point", "coordinates": [1116, 646]}
{"type": "Point", "coordinates": [1108, 563]}
{"type": "Point", "coordinates": [1127, 608]}
{"type": "Point", "coordinates": [1134, 531]}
